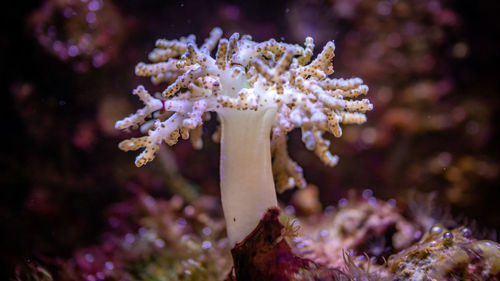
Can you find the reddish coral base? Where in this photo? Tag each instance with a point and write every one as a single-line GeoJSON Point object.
{"type": "Point", "coordinates": [264, 255]}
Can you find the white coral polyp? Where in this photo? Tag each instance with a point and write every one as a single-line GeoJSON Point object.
{"type": "Point", "coordinates": [260, 91]}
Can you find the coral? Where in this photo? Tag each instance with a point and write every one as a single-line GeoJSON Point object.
{"type": "Point", "coordinates": [260, 91]}
{"type": "Point", "coordinates": [430, 78]}
{"type": "Point", "coordinates": [245, 75]}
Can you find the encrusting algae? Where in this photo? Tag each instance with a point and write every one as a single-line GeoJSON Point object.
{"type": "Point", "coordinates": [156, 239]}
{"type": "Point", "coordinates": [370, 239]}
{"type": "Point", "coordinates": [444, 254]}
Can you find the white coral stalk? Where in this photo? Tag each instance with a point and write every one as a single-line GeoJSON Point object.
{"type": "Point", "coordinates": [246, 179]}
{"type": "Point", "coordinates": [260, 91]}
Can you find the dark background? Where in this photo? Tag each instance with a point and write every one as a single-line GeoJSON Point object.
{"type": "Point", "coordinates": [61, 167]}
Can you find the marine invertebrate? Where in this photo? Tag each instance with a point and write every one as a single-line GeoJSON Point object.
{"type": "Point", "coordinates": [260, 92]}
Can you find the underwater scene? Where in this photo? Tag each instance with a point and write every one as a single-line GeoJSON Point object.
{"type": "Point", "coordinates": [313, 140]}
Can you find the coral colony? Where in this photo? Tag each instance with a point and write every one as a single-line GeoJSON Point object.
{"type": "Point", "coordinates": [260, 92]}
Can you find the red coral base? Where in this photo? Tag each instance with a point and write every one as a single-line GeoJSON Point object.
{"type": "Point", "coordinates": [265, 255]}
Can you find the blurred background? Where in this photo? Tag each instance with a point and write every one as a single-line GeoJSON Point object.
{"type": "Point", "coordinates": [68, 73]}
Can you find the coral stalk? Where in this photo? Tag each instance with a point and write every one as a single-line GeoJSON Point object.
{"type": "Point", "coordinates": [247, 184]}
